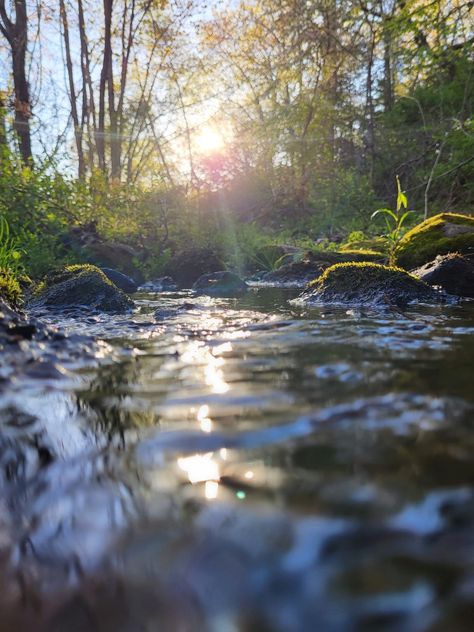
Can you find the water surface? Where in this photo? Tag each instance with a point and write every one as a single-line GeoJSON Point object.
{"type": "Point", "coordinates": [246, 465]}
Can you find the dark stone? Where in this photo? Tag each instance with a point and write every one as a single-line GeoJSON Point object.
{"type": "Point", "coordinates": [220, 284]}
{"type": "Point", "coordinates": [24, 330]}
{"type": "Point", "coordinates": [80, 286]}
{"type": "Point", "coordinates": [187, 266]}
{"type": "Point", "coordinates": [163, 284]}
{"type": "Point", "coordinates": [112, 254]}
{"type": "Point", "coordinates": [369, 284]}
{"type": "Point", "coordinates": [172, 312]}
{"type": "Point", "coordinates": [121, 280]}
{"type": "Point", "coordinates": [297, 274]}
{"type": "Point", "coordinates": [453, 272]}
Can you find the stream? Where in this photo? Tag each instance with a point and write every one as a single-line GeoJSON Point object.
{"type": "Point", "coordinates": [243, 465]}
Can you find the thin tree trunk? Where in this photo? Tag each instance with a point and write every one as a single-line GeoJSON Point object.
{"type": "Point", "coordinates": [3, 127]}
{"type": "Point", "coordinates": [88, 106]}
{"type": "Point", "coordinates": [387, 67]}
{"type": "Point", "coordinates": [105, 75]}
{"type": "Point", "coordinates": [72, 91]}
{"type": "Point", "coordinates": [16, 34]}
{"type": "Point", "coordinates": [369, 110]}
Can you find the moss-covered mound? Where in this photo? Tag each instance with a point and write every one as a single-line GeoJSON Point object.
{"type": "Point", "coordinates": [220, 284]}
{"type": "Point", "coordinates": [438, 235]}
{"type": "Point", "coordinates": [80, 286]}
{"type": "Point", "coordinates": [369, 284]}
{"type": "Point", "coordinates": [300, 273]}
{"type": "Point", "coordinates": [10, 290]}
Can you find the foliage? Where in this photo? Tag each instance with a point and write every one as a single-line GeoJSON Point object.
{"type": "Point", "coordinates": [10, 290]}
{"type": "Point", "coordinates": [10, 254]}
{"type": "Point", "coordinates": [315, 127]}
{"type": "Point", "coordinates": [394, 221]}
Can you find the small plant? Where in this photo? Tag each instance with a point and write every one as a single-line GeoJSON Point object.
{"type": "Point", "coordinates": [394, 221]}
{"type": "Point", "coordinates": [10, 254]}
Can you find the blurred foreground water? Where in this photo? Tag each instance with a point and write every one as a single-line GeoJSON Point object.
{"type": "Point", "coordinates": [239, 465]}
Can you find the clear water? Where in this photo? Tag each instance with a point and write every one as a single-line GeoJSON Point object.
{"type": "Point", "coordinates": [246, 465]}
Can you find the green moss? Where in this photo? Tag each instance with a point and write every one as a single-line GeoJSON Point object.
{"type": "Point", "coordinates": [369, 244]}
{"type": "Point", "coordinates": [361, 254]}
{"type": "Point", "coordinates": [80, 285]}
{"type": "Point", "coordinates": [68, 272]}
{"type": "Point", "coordinates": [10, 290]}
{"type": "Point", "coordinates": [369, 283]}
{"type": "Point", "coordinates": [438, 235]}
{"type": "Point", "coordinates": [363, 271]}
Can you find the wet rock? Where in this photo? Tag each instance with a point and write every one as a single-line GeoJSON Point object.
{"type": "Point", "coordinates": [296, 274]}
{"type": "Point", "coordinates": [165, 314]}
{"type": "Point", "coordinates": [80, 286]}
{"type": "Point", "coordinates": [300, 273]}
{"type": "Point", "coordinates": [163, 284]}
{"type": "Point", "coordinates": [453, 272]}
{"type": "Point", "coordinates": [369, 284]}
{"type": "Point", "coordinates": [438, 235]}
{"type": "Point", "coordinates": [188, 265]}
{"type": "Point", "coordinates": [220, 284]}
{"type": "Point", "coordinates": [122, 281]}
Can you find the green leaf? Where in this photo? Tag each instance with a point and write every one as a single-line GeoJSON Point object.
{"type": "Point", "coordinates": [401, 197]}
{"type": "Point", "coordinates": [403, 217]}
{"type": "Point", "coordinates": [384, 211]}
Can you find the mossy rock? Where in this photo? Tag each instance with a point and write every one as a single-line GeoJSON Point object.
{"type": "Point", "coordinates": [300, 273]}
{"type": "Point", "coordinates": [10, 289]}
{"type": "Point", "coordinates": [438, 235]}
{"type": "Point", "coordinates": [220, 284]}
{"type": "Point", "coordinates": [369, 284]}
{"type": "Point", "coordinates": [82, 286]}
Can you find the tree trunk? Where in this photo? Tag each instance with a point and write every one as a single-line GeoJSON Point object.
{"type": "Point", "coordinates": [72, 91]}
{"type": "Point", "coordinates": [105, 75]}
{"type": "Point", "coordinates": [3, 127]}
{"type": "Point", "coordinates": [88, 104]}
{"type": "Point", "coordinates": [16, 34]}
{"type": "Point", "coordinates": [387, 67]}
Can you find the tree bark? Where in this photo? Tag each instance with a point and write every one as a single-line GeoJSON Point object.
{"type": "Point", "coordinates": [72, 91]}
{"type": "Point", "coordinates": [16, 34]}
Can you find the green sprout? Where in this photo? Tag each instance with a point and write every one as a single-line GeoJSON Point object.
{"type": "Point", "coordinates": [394, 221]}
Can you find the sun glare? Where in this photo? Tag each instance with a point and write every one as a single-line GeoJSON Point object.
{"type": "Point", "coordinates": [209, 140]}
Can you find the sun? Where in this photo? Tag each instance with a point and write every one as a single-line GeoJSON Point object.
{"type": "Point", "coordinates": [209, 140]}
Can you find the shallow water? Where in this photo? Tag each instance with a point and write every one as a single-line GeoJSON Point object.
{"type": "Point", "coordinates": [245, 465]}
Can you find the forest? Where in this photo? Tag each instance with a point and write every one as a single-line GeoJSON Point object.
{"type": "Point", "coordinates": [184, 125]}
{"type": "Point", "coordinates": [236, 315]}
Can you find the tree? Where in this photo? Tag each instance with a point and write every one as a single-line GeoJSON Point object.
{"type": "Point", "coordinates": [15, 30]}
